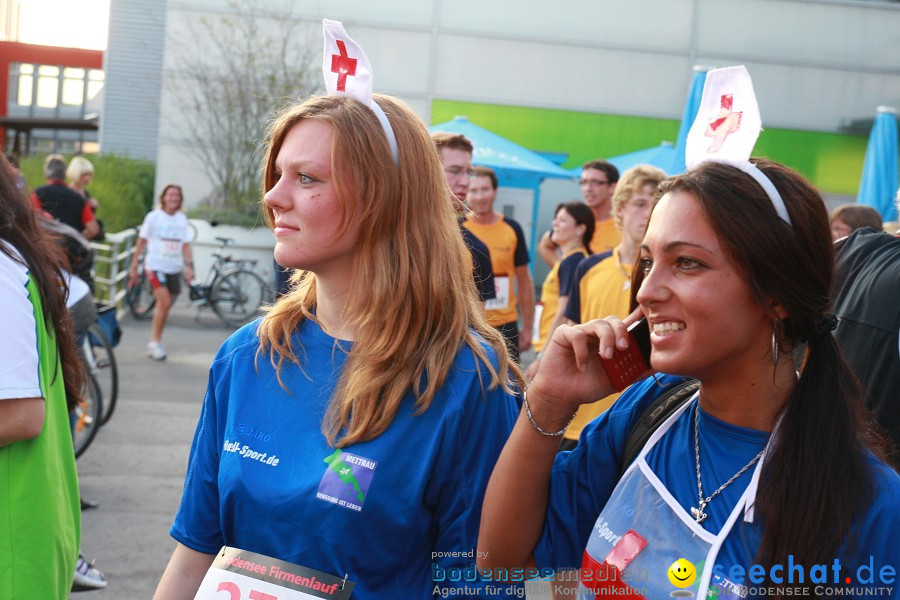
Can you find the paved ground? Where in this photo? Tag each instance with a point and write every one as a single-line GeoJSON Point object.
{"type": "Point", "coordinates": [135, 467]}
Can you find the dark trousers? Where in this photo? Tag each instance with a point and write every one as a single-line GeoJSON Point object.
{"type": "Point", "coordinates": [510, 333]}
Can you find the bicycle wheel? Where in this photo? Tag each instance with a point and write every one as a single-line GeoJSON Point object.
{"type": "Point", "coordinates": [102, 364]}
{"type": "Point", "coordinates": [237, 295]}
{"type": "Point", "coordinates": [140, 298]}
{"type": "Point", "coordinates": [87, 417]}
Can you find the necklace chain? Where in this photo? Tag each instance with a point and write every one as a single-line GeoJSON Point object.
{"type": "Point", "coordinates": [698, 513]}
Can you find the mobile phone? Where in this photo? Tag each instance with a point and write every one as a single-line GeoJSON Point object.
{"type": "Point", "coordinates": [626, 366]}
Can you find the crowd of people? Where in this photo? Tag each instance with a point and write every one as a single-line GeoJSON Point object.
{"type": "Point", "coordinates": [395, 432]}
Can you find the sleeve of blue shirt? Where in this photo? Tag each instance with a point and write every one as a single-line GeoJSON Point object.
{"type": "Point", "coordinates": [481, 423]}
{"type": "Point", "coordinates": [197, 522]}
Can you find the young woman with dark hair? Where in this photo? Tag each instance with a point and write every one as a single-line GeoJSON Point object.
{"type": "Point", "coordinates": [770, 464]}
{"type": "Point", "coordinates": [41, 524]}
{"type": "Point", "coordinates": [573, 227]}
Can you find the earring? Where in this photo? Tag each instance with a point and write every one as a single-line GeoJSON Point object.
{"type": "Point", "coordinates": [775, 349]}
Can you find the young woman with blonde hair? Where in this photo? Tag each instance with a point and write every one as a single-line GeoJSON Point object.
{"type": "Point", "coordinates": [373, 399]}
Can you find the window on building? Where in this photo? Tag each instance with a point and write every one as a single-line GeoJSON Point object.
{"type": "Point", "coordinates": [48, 86]}
{"type": "Point", "coordinates": [73, 86]}
{"type": "Point", "coordinates": [25, 94]}
{"type": "Point", "coordinates": [95, 83]}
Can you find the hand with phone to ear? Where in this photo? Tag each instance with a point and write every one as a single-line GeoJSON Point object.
{"type": "Point", "coordinates": [571, 371]}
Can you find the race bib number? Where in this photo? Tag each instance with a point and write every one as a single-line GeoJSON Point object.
{"type": "Point", "coordinates": [502, 285]}
{"type": "Point", "coordinates": [242, 575]}
{"type": "Point", "coordinates": [170, 250]}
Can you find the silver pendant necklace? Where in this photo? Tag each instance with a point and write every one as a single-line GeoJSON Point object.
{"type": "Point", "coordinates": [697, 512]}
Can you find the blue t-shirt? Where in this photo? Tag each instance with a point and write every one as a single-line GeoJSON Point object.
{"type": "Point", "coordinates": [582, 481]}
{"type": "Point", "coordinates": [262, 477]}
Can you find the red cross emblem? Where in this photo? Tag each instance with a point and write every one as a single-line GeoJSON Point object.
{"type": "Point", "coordinates": [343, 65]}
{"type": "Point", "coordinates": [725, 123]}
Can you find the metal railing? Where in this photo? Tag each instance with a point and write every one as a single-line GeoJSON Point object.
{"type": "Point", "coordinates": [111, 261]}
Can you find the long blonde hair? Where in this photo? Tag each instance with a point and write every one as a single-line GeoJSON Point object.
{"type": "Point", "coordinates": [412, 298]}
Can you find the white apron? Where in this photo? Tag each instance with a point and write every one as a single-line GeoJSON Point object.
{"type": "Point", "coordinates": [643, 529]}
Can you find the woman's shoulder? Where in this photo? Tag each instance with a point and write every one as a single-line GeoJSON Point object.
{"type": "Point", "coordinates": [622, 418]}
{"type": "Point", "coordinates": [11, 260]}
{"type": "Point", "coordinates": [469, 378]}
{"type": "Point", "coordinates": [642, 394]}
{"type": "Point", "coordinates": [886, 483]}
{"type": "Point", "coordinates": [467, 357]}
{"type": "Point", "coordinates": [240, 344]}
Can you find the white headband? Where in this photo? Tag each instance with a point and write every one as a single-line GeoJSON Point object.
{"type": "Point", "coordinates": [722, 134]}
{"type": "Point", "coordinates": [347, 71]}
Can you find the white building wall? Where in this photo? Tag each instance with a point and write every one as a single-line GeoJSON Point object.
{"type": "Point", "coordinates": [816, 64]}
{"type": "Point", "coordinates": [133, 63]}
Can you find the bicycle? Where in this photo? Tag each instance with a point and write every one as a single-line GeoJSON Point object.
{"type": "Point", "coordinates": [232, 289]}
{"type": "Point", "coordinates": [87, 415]}
{"type": "Point", "coordinates": [100, 362]}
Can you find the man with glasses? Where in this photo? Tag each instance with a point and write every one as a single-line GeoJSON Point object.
{"type": "Point", "coordinates": [455, 151]}
{"type": "Point", "coordinates": [598, 184]}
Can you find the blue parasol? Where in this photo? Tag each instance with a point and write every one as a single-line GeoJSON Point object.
{"type": "Point", "coordinates": [878, 187]}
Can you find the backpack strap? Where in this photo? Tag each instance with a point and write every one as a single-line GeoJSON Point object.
{"type": "Point", "coordinates": [654, 416]}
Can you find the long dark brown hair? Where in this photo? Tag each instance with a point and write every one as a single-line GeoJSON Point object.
{"type": "Point", "coordinates": [45, 260]}
{"type": "Point", "coordinates": [818, 454]}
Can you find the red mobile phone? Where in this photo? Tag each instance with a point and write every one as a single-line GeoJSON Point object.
{"type": "Point", "coordinates": [626, 366]}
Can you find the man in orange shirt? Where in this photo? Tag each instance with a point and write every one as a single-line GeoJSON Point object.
{"type": "Point", "coordinates": [509, 259]}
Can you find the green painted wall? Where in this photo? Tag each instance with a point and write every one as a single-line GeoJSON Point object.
{"type": "Point", "coordinates": [832, 162]}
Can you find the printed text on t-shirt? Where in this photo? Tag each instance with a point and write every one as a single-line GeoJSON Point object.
{"type": "Point", "coordinates": [246, 451]}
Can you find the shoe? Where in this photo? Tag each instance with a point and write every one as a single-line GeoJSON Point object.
{"type": "Point", "coordinates": [156, 351]}
{"type": "Point", "coordinates": [87, 576]}
{"type": "Point", "coordinates": [88, 504]}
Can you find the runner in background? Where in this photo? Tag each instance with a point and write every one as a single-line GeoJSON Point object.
{"type": "Point", "coordinates": [509, 260]}
{"type": "Point", "coordinates": [166, 235]}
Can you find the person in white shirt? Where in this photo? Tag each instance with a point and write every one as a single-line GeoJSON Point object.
{"type": "Point", "coordinates": [166, 235]}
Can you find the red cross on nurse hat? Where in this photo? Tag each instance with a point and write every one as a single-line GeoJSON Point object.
{"type": "Point", "coordinates": [727, 126]}
{"type": "Point", "coordinates": [347, 71]}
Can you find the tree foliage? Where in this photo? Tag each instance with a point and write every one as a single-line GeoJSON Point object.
{"type": "Point", "coordinates": [233, 72]}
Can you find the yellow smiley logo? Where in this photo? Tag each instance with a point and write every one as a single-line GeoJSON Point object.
{"type": "Point", "coordinates": [682, 573]}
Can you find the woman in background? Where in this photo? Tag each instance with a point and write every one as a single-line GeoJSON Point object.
{"type": "Point", "coordinates": [166, 235]}
{"type": "Point", "coordinates": [79, 174]}
{"type": "Point", "coordinates": [847, 218]}
{"type": "Point", "coordinates": [573, 227]}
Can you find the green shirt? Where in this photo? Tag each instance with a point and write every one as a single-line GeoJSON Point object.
{"type": "Point", "coordinates": [40, 516]}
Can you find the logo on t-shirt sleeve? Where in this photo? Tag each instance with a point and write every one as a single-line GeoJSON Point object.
{"type": "Point", "coordinates": [346, 480]}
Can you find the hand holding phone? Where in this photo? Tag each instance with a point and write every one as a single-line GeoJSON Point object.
{"type": "Point", "coordinates": [626, 366]}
